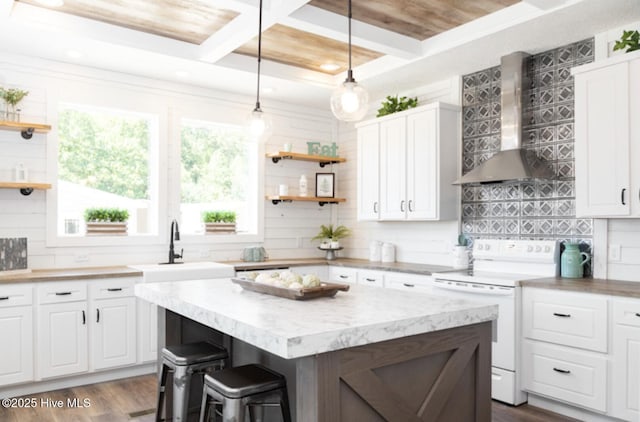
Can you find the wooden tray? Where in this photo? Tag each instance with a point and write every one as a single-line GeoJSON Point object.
{"type": "Point", "coordinates": [324, 290]}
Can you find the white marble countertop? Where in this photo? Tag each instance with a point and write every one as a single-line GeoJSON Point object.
{"type": "Point", "coordinates": [292, 329]}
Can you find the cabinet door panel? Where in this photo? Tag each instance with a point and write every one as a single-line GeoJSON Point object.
{"type": "Point", "coordinates": [422, 165]}
{"type": "Point", "coordinates": [602, 142]}
{"type": "Point", "coordinates": [368, 173]}
{"type": "Point", "coordinates": [16, 330]}
{"type": "Point", "coordinates": [393, 169]}
{"type": "Point", "coordinates": [62, 339]}
{"type": "Point", "coordinates": [147, 331]}
{"type": "Point", "coordinates": [626, 360]}
{"type": "Point", "coordinates": [114, 333]}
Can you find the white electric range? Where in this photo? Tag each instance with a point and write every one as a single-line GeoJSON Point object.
{"type": "Point", "coordinates": [498, 267]}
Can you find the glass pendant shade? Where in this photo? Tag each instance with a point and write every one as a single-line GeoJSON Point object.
{"type": "Point", "coordinates": [349, 102]}
{"type": "Point", "coordinates": [259, 124]}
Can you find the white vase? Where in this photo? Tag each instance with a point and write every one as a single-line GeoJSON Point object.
{"type": "Point", "coordinates": [335, 244]}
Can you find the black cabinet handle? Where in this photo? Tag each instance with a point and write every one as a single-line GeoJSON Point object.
{"type": "Point", "coordinates": [343, 276]}
{"type": "Point", "coordinates": [370, 279]}
{"type": "Point", "coordinates": [638, 314]}
{"type": "Point", "coordinates": [4, 298]}
{"type": "Point", "coordinates": [408, 285]}
{"type": "Point", "coordinates": [375, 207]}
{"type": "Point", "coordinates": [409, 204]}
{"type": "Point", "coordinates": [63, 293]}
{"type": "Point", "coordinates": [562, 315]}
{"type": "Point", "coordinates": [84, 318]}
{"type": "Point", "coordinates": [402, 206]}
{"type": "Point", "coordinates": [98, 315]}
{"type": "Point", "coordinates": [622, 196]}
{"type": "Point", "coordinates": [118, 289]}
{"type": "Point", "coordinates": [562, 371]}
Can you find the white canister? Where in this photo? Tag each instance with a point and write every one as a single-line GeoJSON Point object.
{"type": "Point", "coordinates": [388, 252]}
{"type": "Point", "coordinates": [375, 251]}
{"type": "Point", "coordinates": [283, 190]}
{"type": "Point", "coordinates": [460, 257]}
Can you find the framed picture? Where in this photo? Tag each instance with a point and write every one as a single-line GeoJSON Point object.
{"type": "Point", "coordinates": [325, 185]}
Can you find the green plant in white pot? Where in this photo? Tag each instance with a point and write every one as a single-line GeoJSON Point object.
{"type": "Point", "coordinates": [331, 236]}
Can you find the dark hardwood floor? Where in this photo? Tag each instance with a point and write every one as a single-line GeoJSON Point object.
{"type": "Point", "coordinates": [133, 399]}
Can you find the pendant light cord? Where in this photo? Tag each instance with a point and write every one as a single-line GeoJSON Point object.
{"type": "Point", "coordinates": [349, 72]}
{"type": "Point", "coordinates": [259, 56]}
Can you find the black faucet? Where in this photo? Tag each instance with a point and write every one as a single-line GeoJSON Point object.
{"type": "Point", "coordinates": [175, 234]}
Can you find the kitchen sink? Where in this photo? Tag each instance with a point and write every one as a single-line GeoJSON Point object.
{"type": "Point", "coordinates": [153, 273]}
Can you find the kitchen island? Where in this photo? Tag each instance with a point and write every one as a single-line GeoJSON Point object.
{"type": "Point", "coordinates": [368, 354]}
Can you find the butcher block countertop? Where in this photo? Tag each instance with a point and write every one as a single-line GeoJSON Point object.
{"type": "Point", "coordinates": [587, 285]}
{"type": "Point", "coordinates": [67, 274]}
{"type": "Point", "coordinates": [404, 267]}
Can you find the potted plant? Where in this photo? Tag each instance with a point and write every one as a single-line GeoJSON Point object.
{"type": "Point", "coordinates": [394, 104]}
{"type": "Point", "coordinates": [106, 221]}
{"type": "Point", "coordinates": [12, 97]}
{"type": "Point", "coordinates": [629, 40]}
{"type": "Point", "coordinates": [219, 222]}
{"type": "Point", "coordinates": [330, 236]}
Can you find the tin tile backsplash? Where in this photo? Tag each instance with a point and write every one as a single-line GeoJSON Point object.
{"type": "Point", "coordinates": [536, 209]}
{"type": "Point", "coordinates": [13, 254]}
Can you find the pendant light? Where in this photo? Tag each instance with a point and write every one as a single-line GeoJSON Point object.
{"type": "Point", "coordinates": [349, 101]}
{"type": "Point", "coordinates": [258, 123]}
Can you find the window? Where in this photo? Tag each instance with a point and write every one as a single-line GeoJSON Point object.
{"type": "Point", "coordinates": [219, 172]}
{"type": "Point", "coordinates": [106, 158]}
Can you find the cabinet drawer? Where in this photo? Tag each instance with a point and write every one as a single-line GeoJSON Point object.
{"type": "Point", "coordinates": [112, 288]}
{"type": "Point", "coordinates": [343, 274]}
{"type": "Point", "coordinates": [626, 312]}
{"type": "Point", "coordinates": [16, 295]}
{"type": "Point", "coordinates": [568, 318]}
{"type": "Point", "coordinates": [565, 374]}
{"type": "Point", "coordinates": [371, 278]}
{"type": "Point", "coordinates": [59, 292]}
{"type": "Point", "coordinates": [409, 282]}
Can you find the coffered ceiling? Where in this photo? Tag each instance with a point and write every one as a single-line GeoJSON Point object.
{"type": "Point", "coordinates": [304, 42]}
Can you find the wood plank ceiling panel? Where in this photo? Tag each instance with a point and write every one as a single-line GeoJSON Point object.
{"type": "Point", "coordinates": [419, 19]}
{"type": "Point", "coordinates": [303, 49]}
{"type": "Point", "coordinates": [192, 21]}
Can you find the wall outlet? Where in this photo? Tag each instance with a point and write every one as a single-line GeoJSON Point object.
{"type": "Point", "coordinates": [614, 253]}
{"type": "Point", "coordinates": [82, 257]}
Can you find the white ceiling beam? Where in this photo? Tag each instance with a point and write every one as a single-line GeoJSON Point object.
{"type": "Point", "coordinates": [244, 28]}
{"type": "Point", "coordinates": [332, 25]}
{"type": "Point", "coordinates": [545, 4]}
{"type": "Point", "coordinates": [5, 8]}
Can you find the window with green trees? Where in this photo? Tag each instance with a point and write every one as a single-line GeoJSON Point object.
{"type": "Point", "coordinates": [106, 159]}
{"type": "Point", "coordinates": [218, 172]}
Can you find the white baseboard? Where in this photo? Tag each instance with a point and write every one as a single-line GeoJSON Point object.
{"type": "Point", "coordinates": [568, 410]}
{"type": "Point", "coordinates": [76, 380]}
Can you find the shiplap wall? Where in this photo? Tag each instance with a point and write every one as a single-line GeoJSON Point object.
{"type": "Point", "coordinates": [626, 234]}
{"type": "Point", "coordinates": [420, 242]}
{"type": "Point", "coordinates": [288, 227]}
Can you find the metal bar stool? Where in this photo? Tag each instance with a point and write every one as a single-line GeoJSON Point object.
{"type": "Point", "coordinates": [184, 360]}
{"type": "Point", "coordinates": [241, 387]}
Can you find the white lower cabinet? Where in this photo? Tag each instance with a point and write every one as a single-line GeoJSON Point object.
{"type": "Point", "coordinates": [113, 326]}
{"type": "Point", "coordinates": [566, 374]}
{"type": "Point", "coordinates": [408, 282]}
{"type": "Point", "coordinates": [321, 271]}
{"type": "Point", "coordinates": [625, 392]}
{"type": "Point", "coordinates": [147, 331]}
{"type": "Point", "coordinates": [16, 332]}
{"type": "Point", "coordinates": [343, 274]}
{"type": "Point", "coordinates": [371, 278]}
{"type": "Point", "coordinates": [62, 339]}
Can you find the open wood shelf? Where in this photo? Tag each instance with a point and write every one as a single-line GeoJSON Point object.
{"type": "Point", "coordinates": [276, 199]}
{"type": "Point", "coordinates": [25, 187]}
{"type": "Point", "coordinates": [26, 129]}
{"type": "Point", "coordinates": [321, 159]}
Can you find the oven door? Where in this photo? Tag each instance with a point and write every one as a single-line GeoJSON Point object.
{"type": "Point", "coordinates": [504, 341]}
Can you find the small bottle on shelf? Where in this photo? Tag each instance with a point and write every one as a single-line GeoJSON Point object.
{"type": "Point", "coordinates": [302, 191]}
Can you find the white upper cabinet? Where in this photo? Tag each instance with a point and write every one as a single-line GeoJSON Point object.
{"type": "Point", "coordinates": [368, 169]}
{"type": "Point", "coordinates": [607, 138]}
{"type": "Point", "coordinates": [417, 163]}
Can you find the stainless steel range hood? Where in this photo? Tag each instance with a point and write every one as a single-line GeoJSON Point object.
{"type": "Point", "coordinates": [511, 163]}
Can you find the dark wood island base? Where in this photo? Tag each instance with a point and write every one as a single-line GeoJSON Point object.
{"type": "Point", "coordinates": [439, 376]}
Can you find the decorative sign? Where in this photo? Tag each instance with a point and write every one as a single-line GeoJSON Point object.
{"type": "Point", "coordinates": [315, 148]}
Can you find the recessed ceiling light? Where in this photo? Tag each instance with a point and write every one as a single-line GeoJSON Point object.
{"type": "Point", "coordinates": [51, 3]}
{"type": "Point", "coordinates": [182, 74]}
{"type": "Point", "coordinates": [329, 67]}
{"type": "Point", "coordinates": [74, 54]}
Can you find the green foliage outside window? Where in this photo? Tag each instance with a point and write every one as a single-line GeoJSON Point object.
{"type": "Point", "coordinates": [105, 152]}
{"type": "Point", "coordinates": [113, 215]}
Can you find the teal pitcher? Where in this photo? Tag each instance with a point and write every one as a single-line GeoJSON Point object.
{"type": "Point", "coordinates": [572, 262]}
